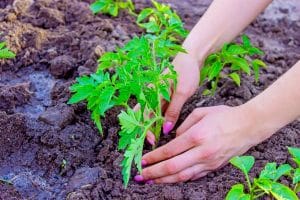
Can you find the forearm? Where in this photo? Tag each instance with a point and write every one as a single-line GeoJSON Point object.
{"type": "Point", "coordinates": [221, 23]}
{"type": "Point", "coordinates": [278, 105]}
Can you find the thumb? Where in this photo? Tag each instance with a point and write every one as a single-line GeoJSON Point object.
{"type": "Point", "coordinates": [173, 111]}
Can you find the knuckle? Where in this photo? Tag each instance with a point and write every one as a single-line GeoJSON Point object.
{"type": "Point", "coordinates": [196, 138]}
{"type": "Point", "coordinates": [183, 176]}
{"type": "Point", "coordinates": [173, 114]}
{"type": "Point", "coordinates": [207, 155]}
{"type": "Point", "coordinates": [166, 152]}
{"type": "Point", "coordinates": [171, 167]}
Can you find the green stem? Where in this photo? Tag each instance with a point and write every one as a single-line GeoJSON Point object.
{"type": "Point", "coordinates": [249, 185]}
{"type": "Point", "coordinates": [259, 195]}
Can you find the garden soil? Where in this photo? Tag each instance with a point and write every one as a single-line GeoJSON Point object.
{"type": "Point", "coordinates": [50, 150]}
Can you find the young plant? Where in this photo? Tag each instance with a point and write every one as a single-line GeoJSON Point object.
{"type": "Point", "coordinates": [266, 184]}
{"type": "Point", "coordinates": [138, 73]}
{"type": "Point", "coordinates": [142, 70]}
{"type": "Point", "coordinates": [162, 20]}
{"type": "Point", "coordinates": [112, 7]}
{"type": "Point", "coordinates": [5, 53]}
{"type": "Point", "coordinates": [231, 61]}
{"type": "Point", "coordinates": [295, 152]}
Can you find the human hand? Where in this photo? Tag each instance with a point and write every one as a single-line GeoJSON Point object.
{"type": "Point", "coordinates": [206, 140]}
{"type": "Point", "coordinates": [187, 68]}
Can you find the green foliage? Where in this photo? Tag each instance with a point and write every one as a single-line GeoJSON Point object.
{"type": "Point", "coordinates": [111, 7]}
{"type": "Point", "coordinates": [162, 20]}
{"type": "Point", "coordinates": [5, 53]}
{"type": "Point", "coordinates": [231, 61]}
{"type": "Point", "coordinates": [267, 182]}
{"type": "Point", "coordinates": [142, 70]}
{"type": "Point", "coordinates": [138, 73]}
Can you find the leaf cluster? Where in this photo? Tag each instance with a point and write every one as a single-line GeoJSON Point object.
{"type": "Point", "coordinates": [162, 20]}
{"type": "Point", "coordinates": [267, 183]}
{"type": "Point", "coordinates": [5, 53]}
{"type": "Point", "coordinates": [138, 73]}
{"type": "Point", "coordinates": [111, 7]}
{"type": "Point", "coordinates": [231, 62]}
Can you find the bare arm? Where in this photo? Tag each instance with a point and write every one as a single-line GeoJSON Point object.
{"type": "Point", "coordinates": [279, 104]}
{"type": "Point", "coordinates": [222, 22]}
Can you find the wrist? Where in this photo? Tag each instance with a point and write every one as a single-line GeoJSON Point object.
{"type": "Point", "coordinates": [260, 126]}
{"type": "Point", "coordinates": [197, 49]}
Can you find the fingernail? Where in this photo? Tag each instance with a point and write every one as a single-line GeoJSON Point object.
{"type": "Point", "coordinates": [151, 139]}
{"type": "Point", "coordinates": [167, 127]}
{"type": "Point", "coordinates": [150, 182]}
{"type": "Point", "coordinates": [144, 163]}
{"type": "Point", "coordinates": [138, 178]}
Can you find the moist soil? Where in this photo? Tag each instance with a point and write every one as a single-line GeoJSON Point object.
{"type": "Point", "coordinates": [50, 150]}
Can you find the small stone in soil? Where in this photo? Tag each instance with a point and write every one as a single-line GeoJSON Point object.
{"type": "Point", "coordinates": [60, 115]}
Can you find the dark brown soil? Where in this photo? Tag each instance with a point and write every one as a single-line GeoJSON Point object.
{"type": "Point", "coordinates": [50, 150]}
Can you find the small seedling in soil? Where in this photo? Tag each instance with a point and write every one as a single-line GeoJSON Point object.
{"type": "Point", "coordinates": [5, 53]}
{"type": "Point", "coordinates": [112, 7]}
{"type": "Point", "coordinates": [142, 71]}
{"type": "Point", "coordinates": [267, 182]}
{"type": "Point", "coordinates": [231, 61]}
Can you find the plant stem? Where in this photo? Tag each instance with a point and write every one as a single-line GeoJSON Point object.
{"type": "Point", "coordinates": [259, 195]}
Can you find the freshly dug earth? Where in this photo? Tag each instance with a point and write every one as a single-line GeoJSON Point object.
{"type": "Point", "coordinates": [50, 150]}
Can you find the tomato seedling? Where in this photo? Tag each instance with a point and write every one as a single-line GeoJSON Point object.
{"type": "Point", "coordinates": [231, 61]}
{"type": "Point", "coordinates": [5, 53]}
{"type": "Point", "coordinates": [140, 72]}
{"type": "Point", "coordinates": [266, 184]}
{"type": "Point", "coordinates": [112, 7]}
{"type": "Point", "coordinates": [143, 71]}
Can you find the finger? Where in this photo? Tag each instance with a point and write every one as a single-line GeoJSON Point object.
{"type": "Point", "coordinates": [173, 165]}
{"type": "Point", "coordinates": [150, 138]}
{"type": "Point", "coordinates": [182, 176]}
{"type": "Point", "coordinates": [173, 111]}
{"type": "Point", "coordinates": [191, 120]}
{"type": "Point", "coordinates": [178, 145]}
{"type": "Point", "coordinates": [200, 175]}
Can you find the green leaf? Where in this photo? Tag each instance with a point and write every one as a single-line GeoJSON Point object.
{"type": "Point", "coordinates": [295, 152]}
{"type": "Point", "coordinates": [206, 92]}
{"type": "Point", "coordinates": [113, 10]}
{"type": "Point", "coordinates": [237, 193]}
{"type": "Point", "coordinates": [130, 127]}
{"type": "Point", "coordinates": [236, 78]}
{"type": "Point", "coordinates": [98, 6]}
{"type": "Point", "coordinates": [215, 70]}
{"type": "Point", "coordinates": [244, 163]}
{"type": "Point", "coordinates": [164, 91]}
{"type": "Point", "coordinates": [236, 49]}
{"type": "Point", "coordinates": [242, 62]}
{"type": "Point", "coordinates": [246, 41]}
{"type": "Point", "coordinates": [273, 173]}
{"type": "Point", "coordinates": [277, 190]}
{"type": "Point", "coordinates": [144, 14]}
{"type": "Point", "coordinates": [296, 176]}
{"type": "Point", "coordinates": [5, 53]}
{"type": "Point", "coordinates": [131, 154]}
{"type": "Point", "coordinates": [130, 120]}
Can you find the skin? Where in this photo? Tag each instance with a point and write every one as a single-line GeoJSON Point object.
{"type": "Point", "coordinates": [210, 136]}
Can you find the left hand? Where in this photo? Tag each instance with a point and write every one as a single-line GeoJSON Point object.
{"type": "Point", "coordinates": [206, 140]}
